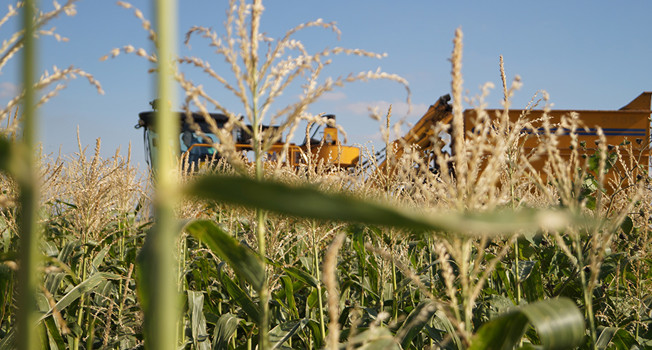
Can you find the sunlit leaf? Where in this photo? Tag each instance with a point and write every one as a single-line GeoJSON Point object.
{"type": "Point", "coordinates": [99, 258]}
{"type": "Point", "coordinates": [283, 332]}
{"type": "Point", "coordinates": [617, 339]}
{"type": "Point", "coordinates": [80, 289]}
{"type": "Point", "coordinates": [241, 259]}
{"type": "Point", "coordinates": [441, 321]}
{"type": "Point", "coordinates": [301, 275]}
{"type": "Point", "coordinates": [375, 338]}
{"type": "Point", "coordinates": [310, 202]}
{"type": "Point", "coordinates": [200, 337]}
{"type": "Point", "coordinates": [54, 336]}
{"type": "Point", "coordinates": [559, 324]}
{"type": "Point", "coordinates": [225, 328]}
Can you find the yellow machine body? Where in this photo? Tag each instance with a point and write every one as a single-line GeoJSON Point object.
{"type": "Point", "coordinates": [329, 152]}
{"type": "Point", "coordinates": [197, 151]}
{"type": "Point", "coordinates": [630, 123]}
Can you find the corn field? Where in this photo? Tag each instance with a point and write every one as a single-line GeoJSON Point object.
{"type": "Point", "coordinates": [487, 252]}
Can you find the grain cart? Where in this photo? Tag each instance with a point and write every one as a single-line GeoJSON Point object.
{"type": "Point", "coordinates": [627, 125]}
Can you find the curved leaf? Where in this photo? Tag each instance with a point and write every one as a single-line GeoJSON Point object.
{"type": "Point", "coordinates": [225, 328]}
{"type": "Point", "coordinates": [317, 336]}
{"type": "Point", "coordinates": [200, 337]}
{"type": "Point", "coordinates": [288, 288]}
{"type": "Point", "coordinates": [415, 322]}
{"type": "Point", "coordinates": [55, 339]}
{"type": "Point", "coordinates": [619, 338]}
{"type": "Point", "coordinates": [558, 322]}
{"type": "Point", "coordinates": [241, 298]}
{"type": "Point", "coordinates": [310, 202]}
{"type": "Point", "coordinates": [375, 338]}
{"type": "Point", "coordinates": [301, 275]}
{"type": "Point", "coordinates": [283, 332]}
{"type": "Point", "coordinates": [242, 260]}
{"type": "Point", "coordinates": [80, 289]}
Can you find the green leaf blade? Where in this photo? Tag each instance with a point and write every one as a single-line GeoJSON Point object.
{"type": "Point", "coordinates": [558, 322]}
{"type": "Point", "coordinates": [242, 260]}
{"type": "Point", "coordinates": [310, 202]}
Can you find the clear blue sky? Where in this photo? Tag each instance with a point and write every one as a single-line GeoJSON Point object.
{"type": "Point", "coordinates": [586, 54]}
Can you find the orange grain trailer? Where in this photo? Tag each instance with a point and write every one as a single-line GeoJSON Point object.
{"type": "Point", "coordinates": [628, 125]}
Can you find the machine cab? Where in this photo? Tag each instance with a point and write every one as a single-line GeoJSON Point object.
{"type": "Point", "coordinates": [192, 145]}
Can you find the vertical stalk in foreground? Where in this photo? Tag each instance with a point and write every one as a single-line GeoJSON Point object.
{"type": "Point", "coordinates": [510, 173]}
{"type": "Point", "coordinates": [256, 113]}
{"type": "Point", "coordinates": [27, 177]}
{"type": "Point", "coordinates": [459, 151]}
{"type": "Point", "coordinates": [330, 281]}
{"type": "Point", "coordinates": [163, 311]}
{"type": "Point", "coordinates": [315, 256]}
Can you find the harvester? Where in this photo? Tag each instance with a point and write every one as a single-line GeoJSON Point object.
{"type": "Point", "coordinates": [197, 149]}
{"type": "Point", "coordinates": [627, 125]}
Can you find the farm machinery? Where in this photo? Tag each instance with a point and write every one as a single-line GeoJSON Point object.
{"type": "Point", "coordinates": [197, 139]}
{"type": "Point", "coordinates": [627, 125]}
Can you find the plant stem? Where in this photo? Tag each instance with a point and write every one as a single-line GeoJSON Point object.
{"type": "Point", "coordinates": [588, 300]}
{"type": "Point", "coordinates": [263, 342]}
{"type": "Point", "coordinates": [82, 298]}
{"type": "Point", "coordinates": [27, 177]}
{"type": "Point", "coordinates": [517, 280]}
{"type": "Point", "coordinates": [164, 310]}
{"type": "Point", "coordinates": [394, 293]}
{"type": "Point", "coordinates": [181, 287]}
{"type": "Point", "coordinates": [91, 330]}
{"type": "Point", "coordinates": [315, 254]}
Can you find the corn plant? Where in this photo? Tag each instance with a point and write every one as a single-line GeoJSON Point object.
{"type": "Point", "coordinates": [486, 253]}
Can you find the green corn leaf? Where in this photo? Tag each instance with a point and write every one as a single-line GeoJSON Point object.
{"type": "Point", "coordinates": [80, 289]}
{"type": "Point", "coordinates": [99, 259]}
{"type": "Point", "coordinates": [241, 298]}
{"type": "Point", "coordinates": [310, 202]}
{"type": "Point", "coordinates": [54, 337]}
{"type": "Point", "coordinates": [288, 287]}
{"type": "Point", "coordinates": [618, 338]}
{"type": "Point", "coordinates": [200, 338]}
{"type": "Point", "coordinates": [283, 332]}
{"type": "Point", "coordinates": [415, 322]}
{"type": "Point", "coordinates": [558, 322]}
{"type": "Point", "coordinates": [442, 322]}
{"type": "Point", "coordinates": [533, 284]}
{"type": "Point", "coordinates": [225, 328]}
{"type": "Point", "coordinates": [242, 260]}
{"type": "Point", "coordinates": [375, 338]}
{"type": "Point", "coordinates": [627, 225]}
{"type": "Point", "coordinates": [317, 336]}
{"type": "Point", "coordinates": [7, 280]}
{"type": "Point", "coordinates": [605, 337]}
{"type": "Point", "coordinates": [301, 275]}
